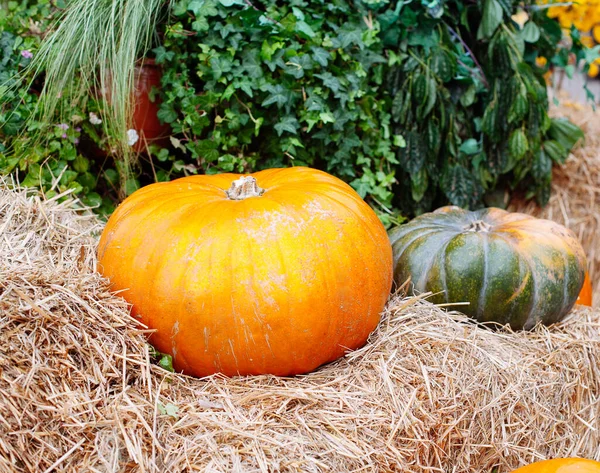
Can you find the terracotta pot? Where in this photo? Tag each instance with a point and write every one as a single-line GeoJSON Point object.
{"type": "Point", "coordinates": [145, 118]}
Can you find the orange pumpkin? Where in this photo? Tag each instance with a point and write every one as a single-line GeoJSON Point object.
{"type": "Point", "coordinates": [562, 465]}
{"type": "Point", "coordinates": [585, 296]}
{"type": "Point", "coordinates": [275, 272]}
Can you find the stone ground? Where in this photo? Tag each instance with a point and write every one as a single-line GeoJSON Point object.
{"type": "Point", "coordinates": [574, 86]}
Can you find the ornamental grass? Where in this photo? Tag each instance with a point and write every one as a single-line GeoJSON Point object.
{"type": "Point", "coordinates": [430, 392]}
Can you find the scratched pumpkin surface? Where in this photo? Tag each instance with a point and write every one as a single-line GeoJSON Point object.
{"type": "Point", "coordinates": [276, 283]}
{"type": "Point", "coordinates": [510, 268]}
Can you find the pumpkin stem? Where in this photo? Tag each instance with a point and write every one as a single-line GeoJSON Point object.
{"type": "Point", "coordinates": [243, 188]}
{"type": "Point", "coordinates": [478, 226]}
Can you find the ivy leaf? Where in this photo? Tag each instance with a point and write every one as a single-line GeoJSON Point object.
{"type": "Point", "coordinates": [161, 55]}
{"type": "Point", "coordinates": [229, 3]}
{"type": "Point", "coordinates": [251, 64]}
{"type": "Point", "coordinates": [492, 18]}
{"type": "Point", "coordinates": [200, 24]}
{"type": "Point", "coordinates": [219, 65]}
{"type": "Point", "coordinates": [289, 124]}
{"type": "Point", "coordinates": [321, 56]}
{"type": "Point", "coordinates": [305, 29]}
{"type": "Point", "coordinates": [278, 95]}
{"type": "Point", "coordinates": [348, 36]}
{"type": "Point", "coordinates": [203, 7]}
{"type": "Point", "coordinates": [330, 81]}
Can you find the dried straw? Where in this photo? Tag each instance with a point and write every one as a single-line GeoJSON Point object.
{"type": "Point", "coordinates": [575, 198]}
{"type": "Point", "coordinates": [430, 392]}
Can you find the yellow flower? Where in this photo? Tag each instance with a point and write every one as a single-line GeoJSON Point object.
{"type": "Point", "coordinates": [594, 69]}
{"type": "Point", "coordinates": [596, 33]}
{"type": "Point", "coordinates": [541, 61]}
{"type": "Point", "coordinates": [587, 41]}
{"type": "Point", "coordinates": [520, 18]}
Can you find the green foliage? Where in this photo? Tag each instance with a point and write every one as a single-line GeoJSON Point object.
{"type": "Point", "coordinates": [415, 105]}
{"type": "Point", "coordinates": [247, 88]}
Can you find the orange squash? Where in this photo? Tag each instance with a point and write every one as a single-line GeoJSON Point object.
{"type": "Point", "coordinates": [585, 296]}
{"type": "Point", "coordinates": [562, 465]}
{"type": "Point", "coordinates": [276, 272]}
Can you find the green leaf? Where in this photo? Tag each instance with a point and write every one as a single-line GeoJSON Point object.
{"type": "Point", "coordinates": [399, 141]}
{"type": "Point", "coordinates": [531, 32]}
{"type": "Point", "coordinates": [305, 29]}
{"type": "Point", "coordinates": [112, 177]}
{"type": "Point", "coordinates": [491, 19]}
{"type": "Point", "coordinates": [470, 146]}
{"type": "Point", "coordinates": [555, 151]}
{"type": "Point", "coordinates": [81, 164]}
{"type": "Point", "coordinates": [442, 65]}
{"type": "Point", "coordinates": [251, 64]}
{"type": "Point", "coordinates": [168, 409]}
{"type": "Point", "coordinates": [418, 185]}
{"type": "Point", "coordinates": [565, 132]}
{"type": "Point", "coordinates": [459, 186]}
{"type": "Point", "coordinates": [431, 97]}
{"type": "Point", "coordinates": [278, 95]}
{"type": "Point", "coordinates": [413, 155]}
{"type": "Point", "coordinates": [92, 199]}
{"type": "Point", "coordinates": [166, 113]}
{"type": "Point", "coordinates": [161, 55]}
{"type": "Point", "coordinates": [131, 185]}
{"type": "Point", "coordinates": [348, 35]}
{"type": "Point", "coordinates": [518, 109]}
{"type": "Point", "coordinates": [229, 3]}
{"type": "Point", "coordinates": [517, 144]}
{"type": "Point", "coordinates": [289, 124]}
{"type": "Point", "coordinates": [468, 97]}
{"type": "Point", "coordinates": [541, 168]}
{"type": "Point", "coordinates": [200, 24]}
{"type": "Point", "coordinates": [321, 56]}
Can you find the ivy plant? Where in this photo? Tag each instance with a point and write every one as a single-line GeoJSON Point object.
{"type": "Point", "coordinates": [415, 104]}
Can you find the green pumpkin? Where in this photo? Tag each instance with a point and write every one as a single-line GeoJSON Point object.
{"type": "Point", "coordinates": [510, 268]}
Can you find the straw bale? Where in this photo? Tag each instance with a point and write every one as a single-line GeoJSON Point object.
{"type": "Point", "coordinates": [430, 392]}
{"type": "Point", "coordinates": [575, 197]}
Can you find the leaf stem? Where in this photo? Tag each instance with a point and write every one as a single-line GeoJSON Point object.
{"type": "Point", "coordinates": [480, 69]}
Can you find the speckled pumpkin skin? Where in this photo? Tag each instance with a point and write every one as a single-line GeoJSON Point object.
{"type": "Point", "coordinates": [518, 270]}
{"type": "Point", "coordinates": [562, 465]}
{"type": "Point", "coordinates": [278, 283]}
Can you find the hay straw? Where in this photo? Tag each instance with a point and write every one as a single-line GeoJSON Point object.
{"type": "Point", "coordinates": [575, 198]}
{"type": "Point", "coordinates": [430, 392]}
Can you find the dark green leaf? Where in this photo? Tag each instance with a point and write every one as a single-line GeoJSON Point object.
{"type": "Point", "coordinates": [289, 124]}
{"type": "Point", "coordinates": [555, 151]}
{"type": "Point", "coordinates": [565, 132]}
{"type": "Point", "coordinates": [517, 144]}
{"type": "Point", "coordinates": [541, 168]}
{"type": "Point", "coordinates": [491, 19]}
